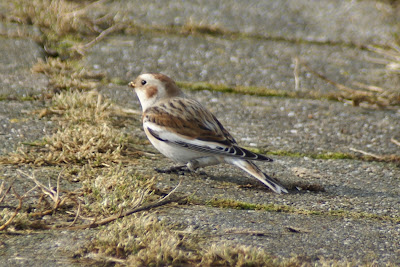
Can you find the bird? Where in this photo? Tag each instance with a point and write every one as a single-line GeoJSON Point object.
{"type": "Point", "coordinates": [183, 130]}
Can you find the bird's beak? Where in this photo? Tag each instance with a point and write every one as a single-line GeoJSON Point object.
{"type": "Point", "coordinates": [132, 84]}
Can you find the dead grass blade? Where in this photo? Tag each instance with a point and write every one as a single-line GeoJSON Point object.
{"type": "Point", "coordinates": [394, 141]}
{"type": "Point", "coordinates": [54, 195]}
{"type": "Point", "coordinates": [390, 57]}
{"type": "Point", "coordinates": [3, 195]}
{"type": "Point", "coordinates": [296, 62]}
{"type": "Point", "coordinates": [81, 49]}
{"type": "Point", "coordinates": [166, 200]}
{"type": "Point", "coordinates": [58, 201]}
{"type": "Point", "coordinates": [383, 158]}
{"type": "Point", "coordinates": [77, 215]}
{"type": "Point", "coordinates": [18, 208]}
{"type": "Point", "coordinates": [371, 95]}
{"type": "Point", "coordinates": [366, 153]}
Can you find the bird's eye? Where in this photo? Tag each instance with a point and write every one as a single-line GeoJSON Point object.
{"type": "Point", "coordinates": [143, 82]}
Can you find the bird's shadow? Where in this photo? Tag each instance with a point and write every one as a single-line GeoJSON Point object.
{"type": "Point", "coordinates": [242, 180]}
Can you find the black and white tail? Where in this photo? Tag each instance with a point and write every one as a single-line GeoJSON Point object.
{"type": "Point", "coordinates": [253, 170]}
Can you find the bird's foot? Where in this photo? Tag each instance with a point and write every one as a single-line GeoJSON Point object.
{"type": "Point", "coordinates": [174, 169]}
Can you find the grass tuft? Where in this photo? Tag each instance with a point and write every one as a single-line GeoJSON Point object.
{"type": "Point", "coordinates": [66, 75]}
{"type": "Point", "coordinates": [85, 135]}
{"type": "Point", "coordinates": [110, 190]}
{"type": "Point", "coordinates": [234, 255]}
{"type": "Point", "coordinates": [143, 241]}
{"type": "Point", "coordinates": [64, 23]}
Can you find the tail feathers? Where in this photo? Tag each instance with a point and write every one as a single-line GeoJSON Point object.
{"type": "Point", "coordinates": [253, 170]}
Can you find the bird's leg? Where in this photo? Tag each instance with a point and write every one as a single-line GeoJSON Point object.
{"type": "Point", "coordinates": [174, 169]}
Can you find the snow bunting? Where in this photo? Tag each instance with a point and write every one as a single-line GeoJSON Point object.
{"type": "Point", "coordinates": [183, 130]}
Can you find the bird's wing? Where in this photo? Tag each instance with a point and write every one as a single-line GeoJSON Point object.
{"type": "Point", "coordinates": [186, 123]}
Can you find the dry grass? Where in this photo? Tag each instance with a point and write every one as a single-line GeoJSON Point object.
{"type": "Point", "coordinates": [361, 94]}
{"type": "Point", "coordinates": [67, 75]}
{"type": "Point", "coordinates": [389, 57]}
{"type": "Point", "coordinates": [85, 135]}
{"type": "Point", "coordinates": [17, 220]}
{"type": "Point", "coordinates": [105, 194]}
{"type": "Point", "coordinates": [235, 255]}
{"type": "Point", "coordinates": [64, 24]}
{"type": "Point", "coordinates": [111, 190]}
{"type": "Point", "coordinates": [144, 241]}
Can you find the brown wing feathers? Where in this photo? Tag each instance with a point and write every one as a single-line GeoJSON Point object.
{"type": "Point", "coordinates": [197, 124]}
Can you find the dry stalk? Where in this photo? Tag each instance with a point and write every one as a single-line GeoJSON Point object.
{"type": "Point", "coordinates": [81, 49]}
{"type": "Point", "coordinates": [373, 95]}
{"type": "Point", "coordinates": [49, 191]}
{"type": "Point", "coordinates": [53, 194]}
{"type": "Point", "coordinates": [384, 158]}
{"type": "Point", "coordinates": [367, 153]}
{"type": "Point", "coordinates": [336, 84]}
{"type": "Point", "coordinates": [82, 11]}
{"type": "Point", "coordinates": [77, 215]}
{"type": "Point", "coordinates": [20, 201]}
{"type": "Point", "coordinates": [390, 57]}
{"type": "Point", "coordinates": [164, 201]}
{"type": "Point", "coordinates": [394, 141]}
{"type": "Point", "coordinates": [18, 208]}
{"type": "Point", "coordinates": [296, 62]}
{"type": "Point", "coordinates": [3, 195]}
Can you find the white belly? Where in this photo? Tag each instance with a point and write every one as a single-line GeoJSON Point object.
{"type": "Point", "coordinates": [175, 152]}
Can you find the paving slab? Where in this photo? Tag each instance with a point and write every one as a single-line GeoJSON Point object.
{"type": "Point", "coordinates": [322, 21]}
{"type": "Point", "coordinates": [239, 62]}
{"type": "Point", "coordinates": [18, 86]}
{"type": "Point", "coordinates": [19, 124]}
{"type": "Point", "coordinates": [311, 238]}
{"type": "Point", "coordinates": [16, 60]}
{"type": "Point", "coordinates": [43, 248]}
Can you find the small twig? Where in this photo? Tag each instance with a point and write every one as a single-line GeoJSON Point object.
{"type": "Point", "coordinates": [394, 141]}
{"type": "Point", "coordinates": [366, 153]}
{"type": "Point", "coordinates": [1, 188]}
{"type": "Point", "coordinates": [369, 87]}
{"type": "Point", "coordinates": [7, 190]}
{"type": "Point", "coordinates": [83, 10]}
{"type": "Point", "coordinates": [153, 205]}
{"type": "Point", "coordinates": [54, 195]}
{"type": "Point", "coordinates": [326, 79]}
{"type": "Point", "coordinates": [77, 214]}
{"type": "Point", "coordinates": [172, 191]}
{"type": "Point", "coordinates": [57, 190]}
{"type": "Point", "coordinates": [296, 73]}
{"type": "Point", "coordinates": [8, 222]}
{"type": "Point", "coordinates": [81, 48]}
